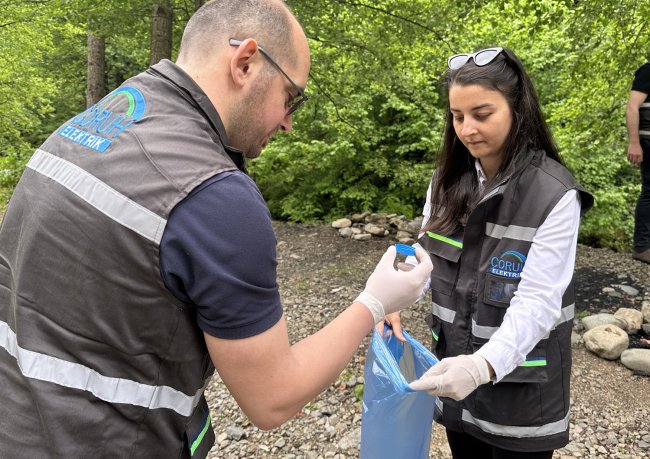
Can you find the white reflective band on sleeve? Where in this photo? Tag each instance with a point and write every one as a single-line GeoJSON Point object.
{"type": "Point", "coordinates": [519, 233]}
{"type": "Point", "coordinates": [645, 105]}
{"type": "Point", "coordinates": [551, 428]}
{"type": "Point", "coordinates": [443, 313]}
{"type": "Point", "coordinates": [99, 195]}
{"type": "Point", "coordinates": [641, 132]}
{"type": "Point", "coordinates": [113, 390]}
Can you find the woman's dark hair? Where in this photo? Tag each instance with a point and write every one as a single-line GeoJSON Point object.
{"type": "Point", "coordinates": [455, 185]}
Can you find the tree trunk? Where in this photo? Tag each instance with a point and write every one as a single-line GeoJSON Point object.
{"type": "Point", "coordinates": [96, 76]}
{"type": "Point", "coordinates": [161, 32]}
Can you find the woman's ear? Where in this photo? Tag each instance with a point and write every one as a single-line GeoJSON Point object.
{"type": "Point", "coordinates": [242, 61]}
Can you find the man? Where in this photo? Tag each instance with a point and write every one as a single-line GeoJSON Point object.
{"type": "Point", "coordinates": [637, 118]}
{"type": "Point", "coordinates": [136, 253]}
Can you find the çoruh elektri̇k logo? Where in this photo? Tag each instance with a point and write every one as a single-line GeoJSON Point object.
{"type": "Point", "coordinates": [508, 264]}
{"type": "Point", "coordinates": [97, 127]}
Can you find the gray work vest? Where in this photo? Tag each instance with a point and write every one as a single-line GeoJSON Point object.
{"type": "Point", "coordinates": [97, 357]}
{"type": "Point", "coordinates": [476, 273]}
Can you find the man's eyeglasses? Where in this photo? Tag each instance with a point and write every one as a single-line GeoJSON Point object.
{"type": "Point", "coordinates": [296, 101]}
{"type": "Point", "coordinates": [481, 58]}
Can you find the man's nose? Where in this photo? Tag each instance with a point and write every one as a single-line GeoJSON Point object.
{"type": "Point", "coordinates": [287, 123]}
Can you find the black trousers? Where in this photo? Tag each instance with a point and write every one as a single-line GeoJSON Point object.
{"type": "Point", "coordinates": [642, 212]}
{"type": "Point", "coordinates": [464, 446]}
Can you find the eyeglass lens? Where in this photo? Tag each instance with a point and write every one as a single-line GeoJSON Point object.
{"type": "Point", "coordinates": [485, 57]}
{"type": "Point", "coordinates": [481, 58]}
{"type": "Point", "coordinates": [458, 61]}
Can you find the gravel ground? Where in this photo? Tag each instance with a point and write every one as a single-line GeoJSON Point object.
{"type": "Point", "coordinates": [320, 273]}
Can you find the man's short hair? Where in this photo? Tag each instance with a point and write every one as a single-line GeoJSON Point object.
{"type": "Point", "coordinates": [267, 21]}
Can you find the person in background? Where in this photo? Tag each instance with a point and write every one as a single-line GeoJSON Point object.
{"type": "Point", "coordinates": [637, 117]}
{"type": "Point", "coordinates": [501, 225]}
{"type": "Point", "coordinates": [136, 255]}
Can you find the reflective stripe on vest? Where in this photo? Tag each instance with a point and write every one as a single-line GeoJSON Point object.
{"type": "Point", "coordinates": [552, 428]}
{"type": "Point", "coordinates": [99, 195]}
{"type": "Point", "coordinates": [519, 233]}
{"type": "Point", "coordinates": [113, 390]}
{"type": "Point", "coordinates": [567, 313]}
{"type": "Point", "coordinates": [445, 239]}
{"type": "Point", "coordinates": [444, 314]}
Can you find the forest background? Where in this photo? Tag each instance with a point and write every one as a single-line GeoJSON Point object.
{"type": "Point", "coordinates": [368, 138]}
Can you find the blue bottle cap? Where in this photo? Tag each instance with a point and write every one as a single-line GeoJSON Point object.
{"type": "Point", "coordinates": [405, 249]}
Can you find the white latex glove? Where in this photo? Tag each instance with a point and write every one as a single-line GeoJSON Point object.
{"type": "Point", "coordinates": [412, 261]}
{"type": "Point", "coordinates": [389, 290]}
{"type": "Point", "coordinates": [454, 377]}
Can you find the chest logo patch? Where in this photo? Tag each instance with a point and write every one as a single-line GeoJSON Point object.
{"type": "Point", "coordinates": [509, 264]}
{"type": "Point", "coordinates": [98, 126]}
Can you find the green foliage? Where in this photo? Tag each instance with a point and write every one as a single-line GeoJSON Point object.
{"type": "Point", "coordinates": [369, 137]}
{"type": "Point", "coordinates": [378, 105]}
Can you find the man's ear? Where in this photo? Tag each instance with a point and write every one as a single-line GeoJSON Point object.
{"type": "Point", "coordinates": [240, 64]}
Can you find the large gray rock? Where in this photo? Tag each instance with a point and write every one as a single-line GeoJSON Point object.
{"type": "Point", "coordinates": [636, 359]}
{"type": "Point", "coordinates": [597, 320]}
{"type": "Point", "coordinates": [606, 341]}
{"type": "Point", "coordinates": [633, 318]}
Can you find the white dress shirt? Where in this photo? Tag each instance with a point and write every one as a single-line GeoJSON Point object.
{"type": "Point", "coordinates": [537, 303]}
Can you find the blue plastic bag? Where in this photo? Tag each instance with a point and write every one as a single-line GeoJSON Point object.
{"type": "Point", "coordinates": [396, 421]}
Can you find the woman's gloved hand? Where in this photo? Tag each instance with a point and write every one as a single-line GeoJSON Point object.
{"type": "Point", "coordinates": [454, 377]}
{"type": "Point", "coordinates": [389, 290]}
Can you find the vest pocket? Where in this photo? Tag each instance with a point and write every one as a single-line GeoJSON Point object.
{"type": "Point", "coordinates": [446, 254]}
{"type": "Point", "coordinates": [532, 370]}
{"type": "Point", "coordinates": [499, 290]}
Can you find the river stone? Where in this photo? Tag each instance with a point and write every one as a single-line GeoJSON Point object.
{"type": "Point", "coordinates": [375, 230]}
{"type": "Point", "coordinates": [628, 290]}
{"type": "Point", "coordinates": [606, 341]}
{"type": "Point", "coordinates": [342, 223]}
{"type": "Point", "coordinates": [362, 237]}
{"type": "Point", "coordinates": [346, 232]}
{"type": "Point", "coordinates": [636, 359]}
{"type": "Point", "coordinates": [597, 320]}
{"type": "Point", "coordinates": [633, 318]}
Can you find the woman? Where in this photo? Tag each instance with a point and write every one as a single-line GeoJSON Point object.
{"type": "Point", "coordinates": [501, 226]}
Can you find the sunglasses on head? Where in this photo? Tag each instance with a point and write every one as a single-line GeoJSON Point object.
{"type": "Point", "coordinates": [481, 58]}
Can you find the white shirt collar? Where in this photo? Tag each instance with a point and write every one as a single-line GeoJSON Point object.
{"type": "Point", "coordinates": [482, 179]}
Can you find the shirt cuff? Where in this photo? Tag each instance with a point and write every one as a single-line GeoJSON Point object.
{"type": "Point", "coordinates": [501, 357]}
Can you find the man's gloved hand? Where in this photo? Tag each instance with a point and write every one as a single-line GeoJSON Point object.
{"type": "Point", "coordinates": [408, 264]}
{"type": "Point", "coordinates": [389, 290]}
{"type": "Point", "coordinates": [454, 377]}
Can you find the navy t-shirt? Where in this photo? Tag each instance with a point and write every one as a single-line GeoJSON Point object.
{"type": "Point", "coordinates": [641, 83]}
{"type": "Point", "coordinates": [218, 252]}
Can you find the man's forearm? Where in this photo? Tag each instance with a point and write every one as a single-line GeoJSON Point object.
{"type": "Point", "coordinates": [632, 122]}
